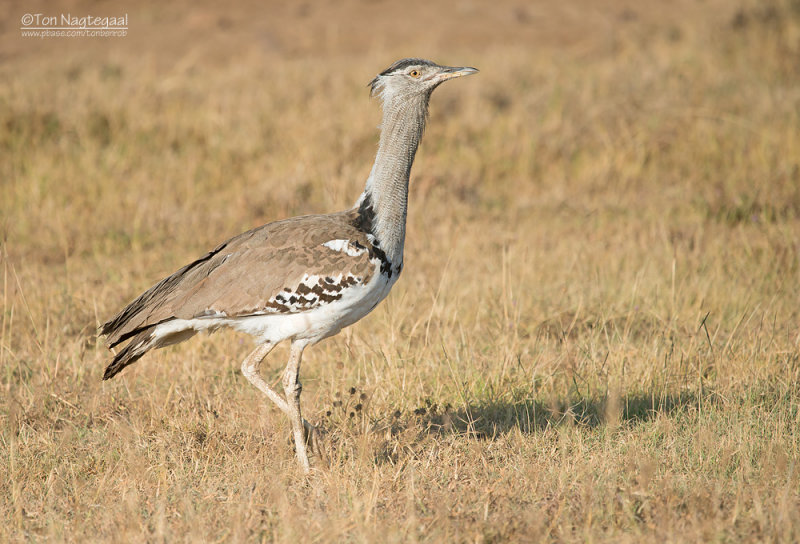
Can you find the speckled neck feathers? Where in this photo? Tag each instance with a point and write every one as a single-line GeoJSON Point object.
{"type": "Point", "coordinates": [383, 205]}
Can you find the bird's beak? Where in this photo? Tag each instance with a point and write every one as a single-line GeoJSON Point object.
{"type": "Point", "coordinates": [451, 72]}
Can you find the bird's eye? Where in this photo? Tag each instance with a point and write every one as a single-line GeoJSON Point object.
{"type": "Point", "coordinates": [414, 73]}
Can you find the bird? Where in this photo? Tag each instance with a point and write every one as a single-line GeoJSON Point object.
{"type": "Point", "coordinates": [301, 279]}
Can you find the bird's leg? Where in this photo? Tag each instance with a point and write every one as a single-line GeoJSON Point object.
{"type": "Point", "coordinates": [293, 388]}
{"type": "Point", "coordinates": [250, 371]}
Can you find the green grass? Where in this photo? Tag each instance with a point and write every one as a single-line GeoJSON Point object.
{"type": "Point", "coordinates": [595, 337]}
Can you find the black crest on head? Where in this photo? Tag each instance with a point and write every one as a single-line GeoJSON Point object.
{"type": "Point", "coordinates": [401, 64]}
{"type": "Point", "coordinates": [405, 63]}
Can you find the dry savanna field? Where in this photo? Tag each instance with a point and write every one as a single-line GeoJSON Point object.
{"type": "Point", "coordinates": [595, 337]}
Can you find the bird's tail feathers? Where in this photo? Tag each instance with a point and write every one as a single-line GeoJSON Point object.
{"type": "Point", "coordinates": [145, 340]}
{"type": "Point", "coordinates": [138, 346]}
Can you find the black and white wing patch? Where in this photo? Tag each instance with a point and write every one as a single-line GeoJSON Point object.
{"type": "Point", "coordinates": [348, 256]}
{"type": "Point", "coordinates": [312, 291]}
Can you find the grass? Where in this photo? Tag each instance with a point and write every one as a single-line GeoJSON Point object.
{"type": "Point", "coordinates": [595, 337]}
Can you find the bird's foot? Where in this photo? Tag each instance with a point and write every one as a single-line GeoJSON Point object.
{"type": "Point", "coordinates": [314, 442]}
{"type": "Point", "coordinates": [313, 438]}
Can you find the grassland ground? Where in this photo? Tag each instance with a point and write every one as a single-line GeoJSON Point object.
{"type": "Point", "coordinates": [595, 337]}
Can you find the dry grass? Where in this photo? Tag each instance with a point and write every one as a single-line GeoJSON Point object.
{"type": "Point", "coordinates": [596, 334]}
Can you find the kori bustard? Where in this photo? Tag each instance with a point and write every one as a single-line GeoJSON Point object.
{"type": "Point", "coordinates": [300, 279]}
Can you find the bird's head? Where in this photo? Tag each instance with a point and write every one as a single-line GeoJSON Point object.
{"type": "Point", "coordinates": [408, 78]}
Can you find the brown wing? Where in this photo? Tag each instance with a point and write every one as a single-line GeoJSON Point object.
{"type": "Point", "coordinates": [251, 272]}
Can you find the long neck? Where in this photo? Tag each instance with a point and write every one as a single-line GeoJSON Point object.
{"type": "Point", "coordinates": [387, 185]}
